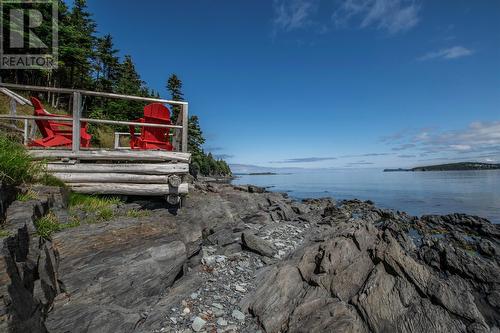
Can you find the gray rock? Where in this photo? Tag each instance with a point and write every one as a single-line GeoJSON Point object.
{"type": "Point", "coordinates": [360, 279]}
{"type": "Point", "coordinates": [258, 245]}
{"type": "Point", "coordinates": [198, 324]}
{"type": "Point", "coordinates": [236, 314]}
{"type": "Point", "coordinates": [221, 322]}
{"type": "Point", "coordinates": [123, 283]}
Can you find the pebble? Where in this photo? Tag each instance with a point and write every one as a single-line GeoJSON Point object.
{"type": "Point", "coordinates": [218, 312]}
{"type": "Point", "coordinates": [220, 259]}
{"type": "Point", "coordinates": [210, 307]}
{"type": "Point", "coordinates": [240, 289]}
{"type": "Point", "coordinates": [221, 322]}
{"type": "Point", "coordinates": [238, 315]}
{"type": "Point", "coordinates": [198, 324]}
{"type": "Point", "coordinates": [218, 306]}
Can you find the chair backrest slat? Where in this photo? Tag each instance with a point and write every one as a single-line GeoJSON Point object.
{"type": "Point", "coordinates": [156, 113]}
{"type": "Point", "coordinates": [43, 125]}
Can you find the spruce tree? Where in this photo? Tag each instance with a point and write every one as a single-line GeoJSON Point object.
{"type": "Point", "coordinates": [174, 86]}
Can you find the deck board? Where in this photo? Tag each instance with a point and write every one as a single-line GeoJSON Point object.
{"type": "Point", "coordinates": [111, 155]}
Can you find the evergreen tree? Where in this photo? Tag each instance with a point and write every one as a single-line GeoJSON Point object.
{"type": "Point", "coordinates": [89, 62]}
{"type": "Point", "coordinates": [174, 86]}
{"type": "Point", "coordinates": [128, 82]}
{"type": "Point", "coordinates": [78, 50]}
{"type": "Point", "coordinates": [196, 139]}
{"type": "Point", "coordinates": [106, 65]}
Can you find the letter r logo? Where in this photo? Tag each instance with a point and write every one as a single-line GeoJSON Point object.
{"type": "Point", "coordinates": [35, 19]}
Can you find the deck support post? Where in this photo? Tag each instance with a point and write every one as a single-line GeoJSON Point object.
{"type": "Point", "coordinates": [185, 128]}
{"type": "Point", "coordinates": [76, 120]}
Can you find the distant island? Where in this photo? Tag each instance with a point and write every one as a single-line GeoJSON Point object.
{"type": "Point", "coordinates": [452, 167]}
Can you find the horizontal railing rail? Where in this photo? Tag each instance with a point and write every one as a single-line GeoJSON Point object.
{"type": "Point", "coordinates": [91, 93]}
{"type": "Point", "coordinates": [76, 118]}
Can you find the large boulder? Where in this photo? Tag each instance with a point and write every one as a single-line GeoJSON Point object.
{"type": "Point", "coordinates": [360, 277]}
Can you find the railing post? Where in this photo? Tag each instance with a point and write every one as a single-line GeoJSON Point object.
{"type": "Point", "coordinates": [117, 140]}
{"type": "Point", "coordinates": [13, 105]}
{"type": "Point", "coordinates": [25, 133]}
{"type": "Point", "coordinates": [185, 128]}
{"type": "Point", "coordinates": [76, 120]}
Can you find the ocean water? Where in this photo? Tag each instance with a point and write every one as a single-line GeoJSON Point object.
{"type": "Point", "coordinates": [417, 193]}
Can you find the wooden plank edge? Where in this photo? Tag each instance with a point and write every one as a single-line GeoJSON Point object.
{"type": "Point", "coordinates": [133, 168]}
{"type": "Point", "coordinates": [128, 189]}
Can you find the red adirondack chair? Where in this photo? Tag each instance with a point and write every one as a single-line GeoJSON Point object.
{"type": "Point", "coordinates": [152, 137]}
{"type": "Point", "coordinates": [56, 134]}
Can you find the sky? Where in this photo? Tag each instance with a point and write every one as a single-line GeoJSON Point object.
{"type": "Point", "coordinates": [324, 83]}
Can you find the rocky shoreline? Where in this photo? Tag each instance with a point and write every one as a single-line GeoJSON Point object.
{"type": "Point", "coordinates": [240, 259]}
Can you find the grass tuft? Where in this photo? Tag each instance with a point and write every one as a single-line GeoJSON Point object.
{"type": "Point", "coordinates": [4, 233]}
{"type": "Point", "coordinates": [16, 167]}
{"type": "Point", "coordinates": [101, 206]}
{"type": "Point", "coordinates": [135, 213]}
{"type": "Point", "coordinates": [27, 196]}
{"type": "Point", "coordinates": [50, 180]}
{"type": "Point", "coordinates": [47, 225]}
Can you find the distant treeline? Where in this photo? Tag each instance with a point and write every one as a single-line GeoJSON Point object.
{"type": "Point", "coordinates": [87, 61]}
{"type": "Point", "coordinates": [452, 167]}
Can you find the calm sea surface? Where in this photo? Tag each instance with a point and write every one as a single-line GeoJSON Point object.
{"type": "Point", "coordinates": [417, 193]}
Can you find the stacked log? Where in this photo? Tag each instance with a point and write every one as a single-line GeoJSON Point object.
{"type": "Point", "coordinates": [152, 173]}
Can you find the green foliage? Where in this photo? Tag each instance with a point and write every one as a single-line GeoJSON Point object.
{"type": "Point", "coordinates": [16, 166]}
{"type": "Point", "coordinates": [196, 139]}
{"type": "Point", "coordinates": [100, 206]}
{"type": "Point", "coordinates": [106, 64]}
{"type": "Point", "coordinates": [27, 196]}
{"type": "Point", "coordinates": [4, 233]}
{"type": "Point", "coordinates": [201, 163]}
{"type": "Point", "coordinates": [174, 87]}
{"type": "Point", "coordinates": [47, 225]}
{"type": "Point", "coordinates": [207, 165]}
{"type": "Point", "coordinates": [46, 178]}
{"type": "Point", "coordinates": [92, 202]}
{"type": "Point", "coordinates": [135, 213]}
{"type": "Point", "coordinates": [87, 61]}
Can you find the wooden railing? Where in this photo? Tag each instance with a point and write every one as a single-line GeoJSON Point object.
{"type": "Point", "coordinates": [77, 118]}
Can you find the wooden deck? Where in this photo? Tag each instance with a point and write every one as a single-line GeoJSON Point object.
{"type": "Point", "coordinates": [110, 171]}
{"type": "Point", "coordinates": [124, 172]}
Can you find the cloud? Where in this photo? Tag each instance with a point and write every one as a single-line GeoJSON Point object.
{"type": "Point", "coordinates": [406, 156]}
{"type": "Point", "coordinates": [454, 52]}
{"type": "Point", "coordinates": [306, 160]}
{"type": "Point", "coordinates": [293, 14]}
{"type": "Point", "coordinates": [403, 147]}
{"type": "Point", "coordinates": [359, 163]}
{"type": "Point", "coordinates": [366, 155]}
{"type": "Point", "coordinates": [393, 16]}
{"type": "Point", "coordinates": [478, 137]}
